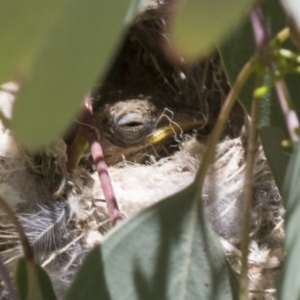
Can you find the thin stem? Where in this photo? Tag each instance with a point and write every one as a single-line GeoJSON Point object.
{"type": "Point", "coordinates": [28, 252]}
{"type": "Point", "coordinates": [290, 115]}
{"type": "Point", "coordinates": [87, 138]}
{"type": "Point", "coordinates": [101, 167]}
{"type": "Point", "coordinates": [223, 116]}
{"type": "Point", "coordinates": [88, 130]}
{"type": "Point", "coordinates": [205, 71]}
{"type": "Point", "coordinates": [248, 195]}
{"type": "Point", "coordinates": [8, 282]}
{"type": "Point", "coordinates": [263, 42]}
{"type": "Point", "coordinates": [261, 36]}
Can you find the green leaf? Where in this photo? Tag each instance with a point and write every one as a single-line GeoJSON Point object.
{"type": "Point", "coordinates": [165, 252]}
{"type": "Point", "coordinates": [292, 9]}
{"type": "Point", "coordinates": [24, 26]}
{"type": "Point", "coordinates": [239, 48]}
{"type": "Point", "coordinates": [32, 282]}
{"type": "Point", "coordinates": [235, 53]}
{"type": "Point", "coordinates": [271, 138]}
{"type": "Point", "coordinates": [201, 24]}
{"type": "Point", "coordinates": [289, 279]}
{"type": "Point", "coordinates": [21, 278]}
{"type": "Point", "coordinates": [76, 51]}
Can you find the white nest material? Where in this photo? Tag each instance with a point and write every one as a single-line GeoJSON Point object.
{"type": "Point", "coordinates": [62, 232]}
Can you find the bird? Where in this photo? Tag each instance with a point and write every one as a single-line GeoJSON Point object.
{"type": "Point", "coordinates": [146, 103]}
{"type": "Point", "coordinates": [138, 128]}
{"type": "Point", "coordinates": [153, 118]}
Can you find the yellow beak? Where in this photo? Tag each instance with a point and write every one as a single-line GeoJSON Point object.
{"type": "Point", "coordinates": [173, 128]}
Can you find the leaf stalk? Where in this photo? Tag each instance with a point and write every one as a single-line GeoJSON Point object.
{"type": "Point", "coordinates": [248, 194]}
{"type": "Point", "coordinates": [263, 45]}
{"type": "Point", "coordinates": [223, 116]}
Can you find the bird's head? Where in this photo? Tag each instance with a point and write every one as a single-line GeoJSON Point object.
{"type": "Point", "coordinates": [138, 127]}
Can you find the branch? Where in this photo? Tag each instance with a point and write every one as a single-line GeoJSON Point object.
{"type": "Point", "coordinates": [87, 137]}
{"type": "Point", "coordinates": [223, 116]}
{"type": "Point", "coordinates": [248, 195]}
{"type": "Point", "coordinates": [262, 42]}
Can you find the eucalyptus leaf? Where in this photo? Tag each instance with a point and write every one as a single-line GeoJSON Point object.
{"type": "Point", "coordinates": [201, 24]}
{"type": "Point", "coordinates": [239, 49]}
{"type": "Point", "coordinates": [21, 279]}
{"type": "Point", "coordinates": [24, 26]}
{"type": "Point", "coordinates": [235, 53]}
{"type": "Point", "coordinates": [28, 276]}
{"type": "Point", "coordinates": [271, 138]}
{"type": "Point", "coordinates": [76, 52]}
{"type": "Point", "coordinates": [167, 251]}
{"type": "Point", "coordinates": [289, 281]}
{"type": "Point", "coordinates": [292, 9]}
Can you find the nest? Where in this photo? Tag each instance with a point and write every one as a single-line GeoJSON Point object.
{"type": "Point", "coordinates": [62, 232]}
{"type": "Point", "coordinates": [141, 69]}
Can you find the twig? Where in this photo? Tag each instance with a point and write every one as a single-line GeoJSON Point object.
{"type": "Point", "coordinates": [205, 71]}
{"type": "Point", "coordinates": [87, 132]}
{"type": "Point", "coordinates": [62, 250]}
{"type": "Point", "coordinates": [266, 291]}
{"type": "Point", "coordinates": [223, 116]}
{"type": "Point", "coordinates": [291, 117]}
{"type": "Point", "coordinates": [248, 195]}
{"type": "Point", "coordinates": [262, 42]}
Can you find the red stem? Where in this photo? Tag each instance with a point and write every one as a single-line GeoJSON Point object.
{"type": "Point", "coordinates": [88, 130]}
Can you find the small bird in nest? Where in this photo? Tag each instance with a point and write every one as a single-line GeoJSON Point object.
{"type": "Point", "coordinates": [143, 109]}
{"type": "Point", "coordinates": [146, 103]}
{"type": "Point", "coordinates": [140, 126]}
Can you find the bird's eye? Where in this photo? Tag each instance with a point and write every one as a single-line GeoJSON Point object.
{"type": "Point", "coordinates": [132, 128]}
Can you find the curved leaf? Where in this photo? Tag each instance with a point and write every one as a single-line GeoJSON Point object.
{"type": "Point", "coordinates": [76, 51]}
{"type": "Point", "coordinates": [235, 53]}
{"type": "Point", "coordinates": [289, 280]}
{"type": "Point", "coordinates": [271, 138]}
{"type": "Point", "coordinates": [27, 275]}
{"type": "Point", "coordinates": [201, 24]}
{"type": "Point", "coordinates": [239, 48]}
{"type": "Point", "coordinates": [166, 252]}
{"type": "Point", "coordinates": [24, 26]}
{"type": "Point", "coordinates": [292, 9]}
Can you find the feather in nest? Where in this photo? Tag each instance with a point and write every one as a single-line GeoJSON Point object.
{"type": "Point", "coordinates": [63, 231]}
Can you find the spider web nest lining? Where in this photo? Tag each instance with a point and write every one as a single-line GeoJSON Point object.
{"type": "Point", "coordinates": [68, 229]}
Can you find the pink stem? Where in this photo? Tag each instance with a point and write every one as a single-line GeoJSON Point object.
{"type": "Point", "coordinates": [262, 42]}
{"type": "Point", "coordinates": [89, 132]}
